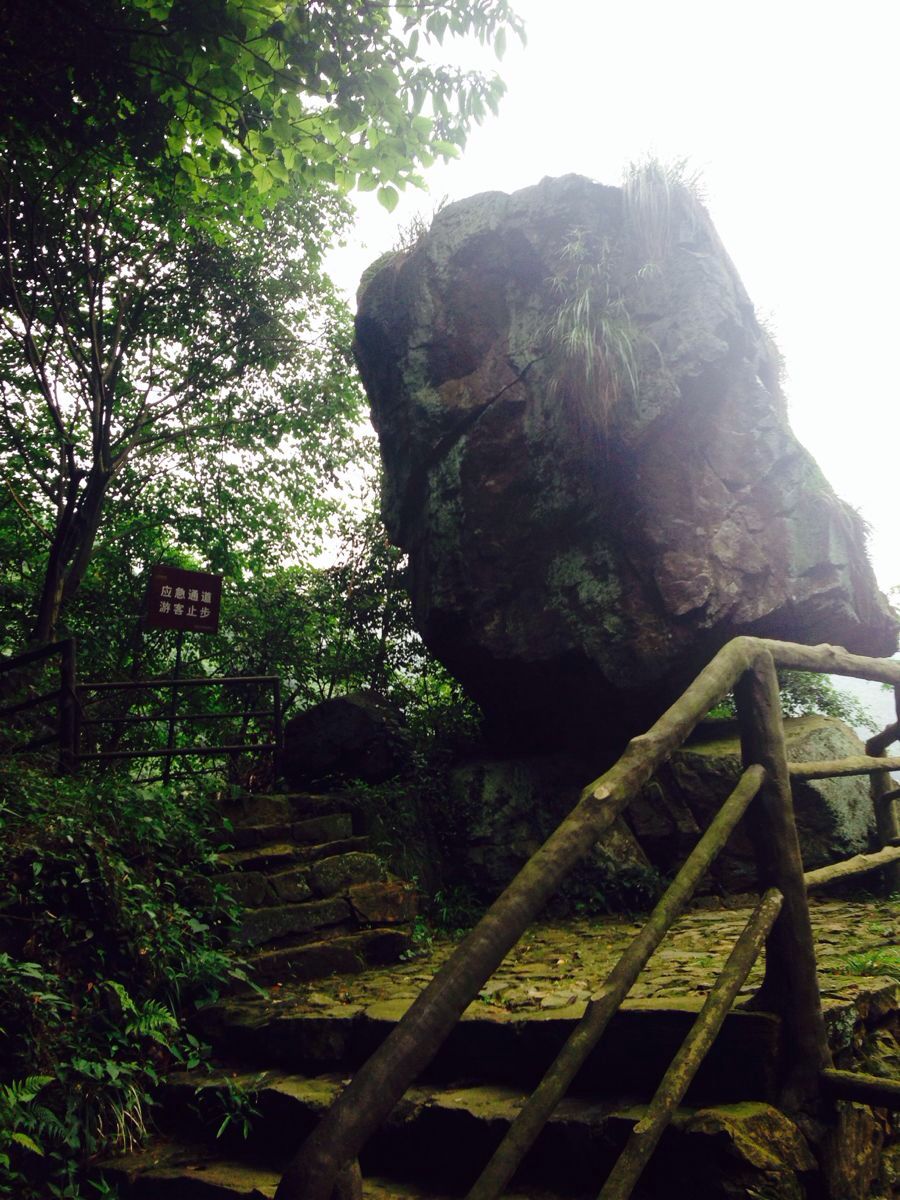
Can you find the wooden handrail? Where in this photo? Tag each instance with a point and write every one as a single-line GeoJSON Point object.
{"type": "Point", "coordinates": [30, 656]}
{"type": "Point", "coordinates": [867, 1089]}
{"type": "Point", "coordinates": [70, 700]}
{"type": "Point", "coordinates": [376, 1088]}
{"type": "Point", "coordinates": [833, 768]}
{"type": "Point", "coordinates": [676, 1081]}
{"type": "Point", "coordinates": [859, 864]}
{"type": "Point", "coordinates": [66, 735]}
{"type": "Point", "coordinates": [200, 751]}
{"type": "Point", "coordinates": [536, 1111]}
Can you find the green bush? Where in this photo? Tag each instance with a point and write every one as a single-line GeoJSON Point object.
{"type": "Point", "coordinates": [111, 933]}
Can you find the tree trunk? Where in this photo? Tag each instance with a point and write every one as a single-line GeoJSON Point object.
{"type": "Point", "coordinates": [70, 552]}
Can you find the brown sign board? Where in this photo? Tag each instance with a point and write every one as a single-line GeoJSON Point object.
{"type": "Point", "coordinates": [186, 600]}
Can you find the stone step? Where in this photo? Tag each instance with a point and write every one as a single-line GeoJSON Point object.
{"type": "Point", "coordinates": [178, 1171]}
{"type": "Point", "coordinates": [284, 807]}
{"type": "Point", "coordinates": [339, 953]}
{"type": "Point", "coordinates": [320, 878]}
{"type": "Point", "coordinates": [261, 925]}
{"type": "Point", "coordinates": [276, 855]}
{"type": "Point", "coordinates": [331, 891]}
{"type": "Point", "coordinates": [311, 831]}
{"type": "Point", "coordinates": [504, 1047]}
{"type": "Point", "coordinates": [441, 1138]}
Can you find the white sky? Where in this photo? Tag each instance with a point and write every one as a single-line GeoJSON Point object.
{"type": "Point", "coordinates": [789, 108]}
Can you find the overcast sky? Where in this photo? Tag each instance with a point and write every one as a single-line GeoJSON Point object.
{"type": "Point", "coordinates": [790, 111]}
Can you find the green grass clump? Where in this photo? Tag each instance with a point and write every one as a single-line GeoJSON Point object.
{"type": "Point", "coordinates": [874, 962]}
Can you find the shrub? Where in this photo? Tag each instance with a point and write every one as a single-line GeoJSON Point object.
{"type": "Point", "coordinates": [104, 954]}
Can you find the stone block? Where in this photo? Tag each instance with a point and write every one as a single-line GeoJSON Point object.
{"type": "Point", "coordinates": [391, 903]}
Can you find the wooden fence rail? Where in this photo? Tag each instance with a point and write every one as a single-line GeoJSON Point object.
{"type": "Point", "coordinates": [325, 1167]}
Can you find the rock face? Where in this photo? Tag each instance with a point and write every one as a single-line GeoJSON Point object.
{"type": "Point", "coordinates": [504, 809]}
{"type": "Point", "coordinates": [358, 736]}
{"type": "Point", "coordinates": [587, 526]}
{"type": "Point", "coordinates": [835, 817]}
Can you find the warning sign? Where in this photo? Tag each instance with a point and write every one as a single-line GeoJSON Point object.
{"type": "Point", "coordinates": [187, 600]}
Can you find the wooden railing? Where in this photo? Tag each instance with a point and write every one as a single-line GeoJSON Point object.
{"type": "Point", "coordinates": [69, 709]}
{"type": "Point", "coordinates": [326, 1166]}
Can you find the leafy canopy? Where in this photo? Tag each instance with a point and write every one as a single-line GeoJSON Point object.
{"type": "Point", "coordinates": [241, 103]}
{"type": "Point", "coordinates": [147, 330]}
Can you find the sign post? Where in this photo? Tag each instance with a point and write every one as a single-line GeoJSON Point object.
{"type": "Point", "coordinates": [188, 602]}
{"type": "Point", "coordinates": [184, 600]}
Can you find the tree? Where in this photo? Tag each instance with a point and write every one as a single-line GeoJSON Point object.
{"type": "Point", "coordinates": [147, 324]}
{"type": "Point", "coordinates": [246, 102]}
{"type": "Point", "coordinates": [136, 350]}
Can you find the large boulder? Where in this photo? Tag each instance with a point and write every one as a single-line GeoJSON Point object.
{"type": "Point", "coordinates": [588, 459]}
{"type": "Point", "coordinates": [498, 812]}
{"type": "Point", "coordinates": [835, 817]}
{"type": "Point", "coordinates": [357, 736]}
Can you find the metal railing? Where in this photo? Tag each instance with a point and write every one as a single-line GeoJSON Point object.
{"type": "Point", "coordinates": [69, 713]}
{"type": "Point", "coordinates": [57, 708]}
{"type": "Point", "coordinates": [780, 924]}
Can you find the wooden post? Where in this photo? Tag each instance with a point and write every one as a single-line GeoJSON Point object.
{"type": "Point", "coordinates": [686, 1063]}
{"type": "Point", "coordinates": [278, 738]}
{"type": "Point", "coordinates": [791, 986]}
{"type": "Point", "coordinates": [882, 789]}
{"type": "Point", "coordinates": [68, 707]}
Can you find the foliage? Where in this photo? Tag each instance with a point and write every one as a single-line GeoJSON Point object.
{"type": "Point", "coordinates": [340, 626]}
{"type": "Point", "coordinates": [884, 962]}
{"type": "Point", "coordinates": [238, 1108]}
{"type": "Point", "coordinates": [804, 692]}
{"type": "Point", "coordinates": [109, 958]}
{"type": "Point", "coordinates": [150, 338]}
{"type": "Point", "coordinates": [660, 198]}
{"type": "Point", "coordinates": [606, 886]}
{"type": "Point", "coordinates": [139, 358]}
{"type": "Point", "coordinates": [592, 336]}
{"type": "Point", "coordinates": [232, 106]}
{"type": "Point", "coordinates": [455, 909]}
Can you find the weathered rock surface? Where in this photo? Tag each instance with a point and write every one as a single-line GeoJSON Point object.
{"type": "Point", "coordinates": [503, 810]}
{"type": "Point", "coordinates": [835, 817]}
{"type": "Point", "coordinates": [358, 736]}
{"type": "Point", "coordinates": [573, 568]}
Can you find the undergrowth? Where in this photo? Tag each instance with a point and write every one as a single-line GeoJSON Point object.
{"type": "Point", "coordinates": [879, 961]}
{"type": "Point", "coordinates": [110, 932]}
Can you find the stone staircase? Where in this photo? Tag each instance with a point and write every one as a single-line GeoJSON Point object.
{"type": "Point", "coordinates": [317, 900]}
{"type": "Point", "coordinates": [280, 1058]}
{"type": "Point", "coordinates": [287, 1060]}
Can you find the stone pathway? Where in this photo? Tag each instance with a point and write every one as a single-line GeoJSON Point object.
{"type": "Point", "coordinates": [559, 964]}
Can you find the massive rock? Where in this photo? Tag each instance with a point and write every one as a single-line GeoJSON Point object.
{"type": "Point", "coordinates": [586, 528]}
{"type": "Point", "coordinates": [357, 736]}
{"type": "Point", "coordinates": [498, 812]}
{"type": "Point", "coordinates": [835, 817]}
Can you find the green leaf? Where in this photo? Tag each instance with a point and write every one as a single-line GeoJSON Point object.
{"type": "Point", "coordinates": [29, 1143]}
{"type": "Point", "coordinates": [388, 198]}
